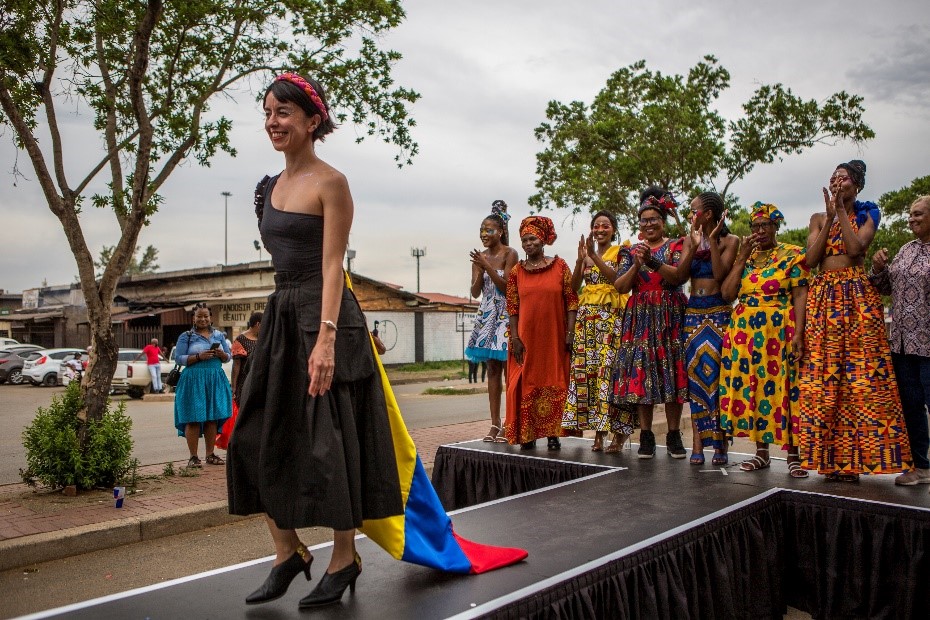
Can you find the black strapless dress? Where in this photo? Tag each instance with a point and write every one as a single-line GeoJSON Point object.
{"type": "Point", "coordinates": [310, 461]}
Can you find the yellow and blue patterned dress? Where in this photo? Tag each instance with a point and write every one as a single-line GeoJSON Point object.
{"type": "Point", "coordinates": [758, 381]}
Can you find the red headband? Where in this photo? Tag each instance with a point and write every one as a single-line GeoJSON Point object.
{"type": "Point", "coordinates": [305, 86]}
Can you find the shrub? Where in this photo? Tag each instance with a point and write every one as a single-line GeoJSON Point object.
{"type": "Point", "coordinates": [53, 453]}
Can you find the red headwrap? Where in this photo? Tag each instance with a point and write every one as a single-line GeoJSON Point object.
{"type": "Point", "coordinates": [540, 227]}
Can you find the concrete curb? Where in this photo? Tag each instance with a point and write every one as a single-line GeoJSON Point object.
{"type": "Point", "coordinates": [48, 546]}
{"type": "Point", "coordinates": [36, 548]}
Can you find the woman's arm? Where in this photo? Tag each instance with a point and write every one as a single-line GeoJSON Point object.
{"type": "Point", "coordinates": [609, 273]}
{"type": "Point", "coordinates": [513, 310]}
{"type": "Point", "coordinates": [722, 255]}
{"type": "Point", "coordinates": [337, 214]}
{"type": "Point", "coordinates": [799, 303]}
{"type": "Point", "coordinates": [181, 355]}
{"type": "Point", "coordinates": [475, 279]}
{"type": "Point", "coordinates": [234, 378]}
{"type": "Point", "coordinates": [578, 271]}
{"type": "Point", "coordinates": [731, 285]}
{"type": "Point", "coordinates": [856, 242]}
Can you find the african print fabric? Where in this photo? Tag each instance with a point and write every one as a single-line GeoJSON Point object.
{"type": "Point", "coordinates": [600, 312]}
{"type": "Point", "coordinates": [488, 340]}
{"type": "Point", "coordinates": [851, 420]}
{"type": "Point", "coordinates": [650, 366]}
{"type": "Point", "coordinates": [536, 389]}
{"type": "Point", "coordinates": [758, 379]}
{"type": "Point", "coordinates": [706, 319]}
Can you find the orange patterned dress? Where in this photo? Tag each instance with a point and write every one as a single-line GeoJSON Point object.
{"type": "Point", "coordinates": [536, 390]}
{"type": "Point", "coordinates": [850, 412]}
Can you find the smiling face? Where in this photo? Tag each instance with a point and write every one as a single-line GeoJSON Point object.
{"type": "Point", "coordinates": [533, 246]}
{"type": "Point", "coordinates": [651, 225]}
{"type": "Point", "coordinates": [202, 318]}
{"type": "Point", "coordinates": [490, 232]}
{"type": "Point", "coordinates": [288, 126]}
{"type": "Point", "coordinates": [603, 230]}
{"type": "Point", "coordinates": [919, 218]}
{"type": "Point", "coordinates": [699, 215]}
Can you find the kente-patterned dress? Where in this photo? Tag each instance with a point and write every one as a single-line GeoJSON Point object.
{"type": "Point", "coordinates": [758, 382]}
{"type": "Point", "coordinates": [488, 340]}
{"type": "Point", "coordinates": [600, 313]}
{"type": "Point", "coordinates": [536, 389]}
{"type": "Point", "coordinates": [851, 419]}
{"type": "Point", "coordinates": [650, 366]}
{"type": "Point", "coordinates": [706, 319]}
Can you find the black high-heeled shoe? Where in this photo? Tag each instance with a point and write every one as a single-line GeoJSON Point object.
{"type": "Point", "coordinates": [281, 576]}
{"type": "Point", "coordinates": [333, 585]}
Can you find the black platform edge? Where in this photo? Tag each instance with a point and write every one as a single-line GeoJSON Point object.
{"type": "Point", "coordinates": [829, 555]}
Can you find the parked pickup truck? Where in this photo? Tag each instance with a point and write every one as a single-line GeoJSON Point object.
{"type": "Point", "coordinates": [132, 373]}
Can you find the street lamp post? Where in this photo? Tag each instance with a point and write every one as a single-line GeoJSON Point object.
{"type": "Point", "coordinates": [417, 253]}
{"type": "Point", "coordinates": [226, 196]}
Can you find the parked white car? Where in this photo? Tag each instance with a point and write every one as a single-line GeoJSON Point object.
{"type": "Point", "coordinates": [43, 370]}
{"type": "Point", "coordinates": [7, 341]}
{"type": "Point", "coordinates": [132, 373]}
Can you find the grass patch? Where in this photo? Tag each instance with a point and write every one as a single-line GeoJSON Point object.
{"type": "Point", "coordinates": [424, 366]}
{"type": "Point", "coordinates": [444, 391]}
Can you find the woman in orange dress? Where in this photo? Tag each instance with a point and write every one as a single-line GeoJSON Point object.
{"type": "Point", "coordinates": [542, 305]}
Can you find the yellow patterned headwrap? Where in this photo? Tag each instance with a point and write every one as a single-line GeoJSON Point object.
{"type": "Point", "coordinates": [768, 211]}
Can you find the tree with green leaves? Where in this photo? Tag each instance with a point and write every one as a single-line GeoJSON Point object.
{"type": "Point", "coordinates": [144, 76]}
{"type": "Point", "coordinates": [646, 128]}
{"type": "Point", "coordinates": [147, 263]}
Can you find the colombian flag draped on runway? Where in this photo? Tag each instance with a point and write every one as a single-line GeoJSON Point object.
{"type": "Point", "coordinates": [423, 534]}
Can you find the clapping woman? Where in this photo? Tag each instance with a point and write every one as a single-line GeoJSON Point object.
{"type": "Point", "coordinates": [851, 418]}
{"type": "Point", "coordinates": [488, 342]}
{"type": "Point", "coordinates": [764, 341]}
{"type": "Point", "coordinates": [650, 366]}
{"type": "Point", "coordinates": [542, 305]}
{"type": "Point", "coordinates": [600, 310]}
{"type": "Point", "coordinates": [907, 279]}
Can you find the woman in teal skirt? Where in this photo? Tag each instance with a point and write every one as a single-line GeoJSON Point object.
{"type": "Point", "coordinates": [203, 398]}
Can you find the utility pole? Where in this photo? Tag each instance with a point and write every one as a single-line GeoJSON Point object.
{"type": "Point", "coordinates": [350, 254]}
{"type": "Point", "coordinates": [418, 253]}
{"type": "Point", "coordinates": [226, 196]}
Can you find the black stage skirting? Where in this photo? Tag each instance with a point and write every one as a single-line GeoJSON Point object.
{"type": "Point", "coordinates": [834, 557]}
{"type": "Point", "coordinates": [613, 536]}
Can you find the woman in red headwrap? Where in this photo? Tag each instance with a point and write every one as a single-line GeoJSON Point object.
{"type": "Point", "coordinates": [542, 305]}
{"type": "Point", "coordinates": [851, 419]}
{"type": "Point", "coordinates": [650, 366]}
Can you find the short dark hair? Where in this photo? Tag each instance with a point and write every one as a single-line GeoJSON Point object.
{"type": "Point", "coordinates": [713, 201]}
{"type": "Point", "coordinates": [291, 93]}
{"type": "Point", "coordinates": [255, 318]}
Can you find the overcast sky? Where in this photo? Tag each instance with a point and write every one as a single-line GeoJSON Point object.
{"type": "Point", "coordinates": [486, 70]}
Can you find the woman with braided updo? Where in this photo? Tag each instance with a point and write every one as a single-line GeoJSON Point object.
{"type": "Point", "coordinates": [490, 269]}
{"type": "Point", "coordinates": [851, 419]}
{"type": "Point", "coordinates": [708, 257]}
{"type": "Point", "coordinates": [650, 367]}
{"type": "Point", "coordinates": [542, 307]}
{"type": "Point", "coordinates": [312, 444]}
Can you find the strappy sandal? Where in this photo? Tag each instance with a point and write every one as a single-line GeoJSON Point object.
{"type": "Point", "coordinates": [757, 462]}
{"type": "Point", "coordinates": [492, 435]}
{"type": "Point", "coordinates": [598, 445]}
{"type": "Point", "coordinates": [720, 458]}
{"type": "Point", "coordinates": [794, 466]}
{"type": "Point", "coordinates": [697, 458]}
{"type": "Point", "coordinates": [213, 459]}
{"type": "Point", "coordinates": [616, 444]}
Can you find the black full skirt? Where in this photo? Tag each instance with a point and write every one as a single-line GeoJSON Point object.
{"type": "Point", "coordinates": [312, 461]}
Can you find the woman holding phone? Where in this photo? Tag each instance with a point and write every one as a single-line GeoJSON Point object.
{"type": "Point", "coordinates": [203, 398]}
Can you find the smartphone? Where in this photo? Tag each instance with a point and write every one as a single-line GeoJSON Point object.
{"type": "Point", "coordinates": [214, 346]}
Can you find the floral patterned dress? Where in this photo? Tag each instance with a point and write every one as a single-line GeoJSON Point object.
{"type": "Point", "coordinates": [488, 340]}
{"type": "Point", "coordinates": [650, 367]}
{"type": "Point", "coordinates": [758, 382]}
{"type": "Point", "coordinates": [600, 314]}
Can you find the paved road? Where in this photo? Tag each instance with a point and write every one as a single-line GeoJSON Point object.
{"type": "Point", "coordinates": [153, 422]}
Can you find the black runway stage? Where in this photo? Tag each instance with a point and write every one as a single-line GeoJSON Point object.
{"type": "Point", "coordinates": [613, 536]}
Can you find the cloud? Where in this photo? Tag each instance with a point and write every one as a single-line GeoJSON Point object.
{"type": "Point", "coordinates": [899, 72]}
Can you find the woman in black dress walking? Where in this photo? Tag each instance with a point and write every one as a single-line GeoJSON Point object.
{"type": "Point", "coordinates": [311, 447]}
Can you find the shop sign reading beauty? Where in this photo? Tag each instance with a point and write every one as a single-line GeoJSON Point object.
{"type": "Point", "coordinates": [237, 313]}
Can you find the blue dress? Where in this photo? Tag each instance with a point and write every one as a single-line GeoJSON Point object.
{"type": "Point", "coordinates": [203, 393]}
